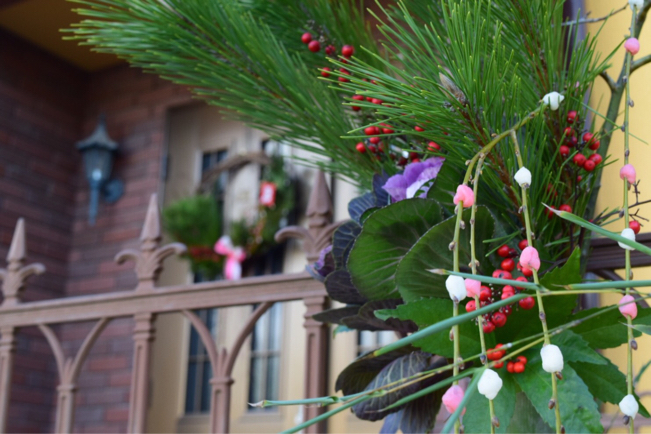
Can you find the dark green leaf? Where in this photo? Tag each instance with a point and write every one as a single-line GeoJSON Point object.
{"type": "Point", "coordinates": [341, 288]}
{"type": "Point", "coordinates": [525, 418]}
{"type": "Point", "coordinates": [579, 411]}
{"type": "Point", "coordinates": [358, 206]}
{"type": "Point", "coordinates": [575, 349]}
{"type": "Point", "coordinates": [606, 330]}
{"type": "Point", "coordinates": [365, 319]}
{"type": "Point", "coordinates": [477, 418]}
{"type": "Point", "coordinates": [429, 311]}
{"type": "Point", "coordinates": [334, 316]}
{"type": "Point", "coordinates": [402, 367]}
{"type": "Point", "coordinates": [606, 382]}
{"type": "Point", "coordinates": [565, 275]}
{"type": "Point", "coordinates": [432, 251]}
{"type": "Point", "coordinates": [386, 237]}
{"type": "Point", "coordinates": [363, 370]}
{"type": "Point", "coordinates": [342, 241]}
{"type": "Point", "coordinates": [445, 186]}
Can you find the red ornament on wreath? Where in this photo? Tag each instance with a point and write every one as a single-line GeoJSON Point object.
{"type": "Point", "coordinates": [267, 194]}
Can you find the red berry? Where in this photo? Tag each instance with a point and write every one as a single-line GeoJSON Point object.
{"type": "Point", "coordinates": [579, 160]}
{"type": "Point", "coordinates": [371, 131]}
{"type": "Point", "coordinates": [594, 145]}
{"type": "Point", "coordinates": [527, 303]}
{"type": "Point", "coordinates": [521, 359]}
{"type": "Point", "coordinates": [387, 130]}
{"type": "Point", "coordinates": [589, 166]}
{"type": "Point", "coordinates": [498, 365]}
{"type": "Point", "coordinates": [376, 101]}
{"type": "Point", "coordinates": [502, 274]}
{"type": "Point", "coordinates": [527, 272]}
{"type": "Point", "coordinates": [565, 207]}
{"type": "Point", "coordinates": [579, 178]}
{"type": "Point", "coordinates": [503, 251]}
{"type": "Point", "coordinates": [523, 244]}
{"type": "Point", "coordinates": [596, 158]}
{"type": "Point", "coordinates": [513, 253]}
{"type": "Point", "coordinates": [413, 155]}
{"type": "Point", "coordinates": [571, 141]}
{"type": "Point", "coordinates": [330, 50]}
{"type": "Point", "coordinates": [433, 147]}
{"type": "Point", "coordinates": [564, 151]}
{"type": "Point", "coordinates": [507, 310]}
{"type": "Point", "coordinates": [416, 160]}
{"type": "Point", "coordinates": [520, 279]}
{"type": "Point", "coordinates": [375, 140]}
{"type": "Point", "coordinates": [306, 38]}
{"type": "Point", "coordinates": [325, 71]}
{"type": "Point", "coordinates": [499, 319]}
{"type": "Point", "coordinates": [419, 129]}
{"type": "Point", "coordinates": [489, 327]}
{"type": "Point", "coordinates": [569, 132]}
{"type": "Point", "coordinates": [635, 225]}
{"type": "Point", "coordinates": [509, 367]}
{"type": "Point", "coordinates": [347, 50]}
{"type": "Point", "coordinates": [518, 367]}
{"type": "Point", "coordinates": [314, 46]}
{"type": "Point", "coordinates": [343, 79]}
{"type": "Point", "coordinates": [506, 295]}
{"type": "Point", "coordinates": [470, 306]}
{"type": "Point", "coordinates": [485, 293]}
{"type": "Point", "coordinates": [587, 137]}
{"type": "Point", "coordinates": [360, 148]}
{"type": "Point", "coordinates": [372, 148]}
{"type": "Point", "coordinates": [549, 212]}
{"type": "Point", "coordinates": [357, 97]}
{"type": "Point", "coordinates": [572, 116]}
{"type": "Point", "coordinates": [508, 289]}
{"type": "Point", "coordinates": [508, 264]}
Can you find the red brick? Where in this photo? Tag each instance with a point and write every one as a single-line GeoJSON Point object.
{"type": "Point", "coordinates": [117, 414]}
{"type": "Point", "coordinates": [107, 363]}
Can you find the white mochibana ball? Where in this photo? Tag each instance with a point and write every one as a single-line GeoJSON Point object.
{"type": "Point", "coordinates": [629, 406]}
{"type": "Point", "coordinates": [627, 233]}
{"type": "Point", "coordinates": [552, 358]}
{"type": "Point", "coordinates": [553, 100]}
{"type": "Point", "coordinates": [523, 177]}
{"type": "Point", "coordinates": [636, 4]}
{"type": "Point", "coordinates": [456, 287]}
{"type": "Point", "coordinates": [489, 384]}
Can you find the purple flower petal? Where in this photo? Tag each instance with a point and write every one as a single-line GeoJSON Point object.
{"type": "Point", "coordinates": [412, 171]}
{"type": "Point", "coordinates": [396, 186]}
{"type": "Point", "coordinates": [413, 188]}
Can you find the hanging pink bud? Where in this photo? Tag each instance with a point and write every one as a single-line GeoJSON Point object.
{"type": "Point", "coordinates": [529, 259]}
{"type": "Point", "coordinates": [628, 172]}
{"type": "Point", "coordinates": [452, 398]}
{"type": "Point", "coordinates": [473, 287]}
{"type": "Point", "coordinates": [465, 195]}
{"type": "Point", "coordinates": [632, 45]}
{"type": "Point", "coordinates": [627, 308]}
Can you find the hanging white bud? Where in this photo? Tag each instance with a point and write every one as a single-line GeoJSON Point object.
{"type": "Point", "coordinates": [456, 287]}
{"type": "Point", "coordinates": [636, 4]}
{"type": "Point", "coordinates": [552, 358]}
{"type": "Point", "coordinates": [489, 384]}
{"type": "Point", "coordinates": [405, 154]}
{"type": "Point", "coordinates": [629, 406]}
{"type": "Point", "coordinates": [553, 100]}
{"type": "Point", "coordinates": [523, 177]}
{"type": "Point", "coordinates": [627, 233]}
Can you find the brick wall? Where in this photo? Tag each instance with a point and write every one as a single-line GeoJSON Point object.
{"type": "Point", "coordinates": [136, 106]}
{"type": "Point", "coordinates": [41, 108]}
{"type": "Point", "coordinates": [46, 106]}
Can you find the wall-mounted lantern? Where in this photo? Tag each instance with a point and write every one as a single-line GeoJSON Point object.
{"type": "Point", "coordinates": [98, 152]}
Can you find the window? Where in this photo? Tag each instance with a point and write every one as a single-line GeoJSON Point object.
{"type": "Point", "coordinates": [197, 397]}
{"type": "Point", "coordinates": [369, 341]}
{"type": "Point", "coordinates": [265, 356]}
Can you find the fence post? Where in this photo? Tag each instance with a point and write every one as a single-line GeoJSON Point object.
{"type": "Point", "coordinates": [7, 346]}
{"type": "Point", "coordinates": [143, 335]}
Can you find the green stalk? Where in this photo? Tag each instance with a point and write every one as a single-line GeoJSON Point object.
{"type": "Point", "coordinates": [541, 307]}
{"type": "Point", "coordinates": [487, 279]}
{"type": "Point", "coordinates": [627, 253]}
{"type": "Point", "coordinates": [473, 266]}
{"type": "Point", "coordinates": [455, 303]}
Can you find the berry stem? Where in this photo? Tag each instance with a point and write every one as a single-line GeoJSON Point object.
{"type": "Point", "coordinates": [627, 253]}
{"type": "Point", "coordinates": [473, 266]}
{"type": "Point", "coordinates": [541, 307]}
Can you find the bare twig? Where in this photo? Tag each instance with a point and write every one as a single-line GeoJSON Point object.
{"type": "Point", "coordinates": [609, 80]}
{"type": "Point", "coordinates": [640, 62]}
{"type": "Point", "coordinates": [593, 20]}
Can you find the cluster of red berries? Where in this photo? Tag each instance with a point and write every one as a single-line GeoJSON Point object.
{"type": "Point", "coordinates": [572, 141]}
{"type": "Point", "coordinates": [488, 295]}
{"type": "Point", "coordinates": [315, 46]}
{"type": "Point", "coordinates": [513, 367]}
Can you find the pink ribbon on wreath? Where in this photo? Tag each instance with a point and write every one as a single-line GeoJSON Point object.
{"type": "Point", "coordinates": [234, 257]}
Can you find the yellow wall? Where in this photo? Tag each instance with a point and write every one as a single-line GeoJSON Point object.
{"type": "Point", "coordinates": [611, 194]}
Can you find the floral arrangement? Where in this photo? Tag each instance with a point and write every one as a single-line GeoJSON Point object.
{"type": "Point", "coordinates": [467, 128]}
